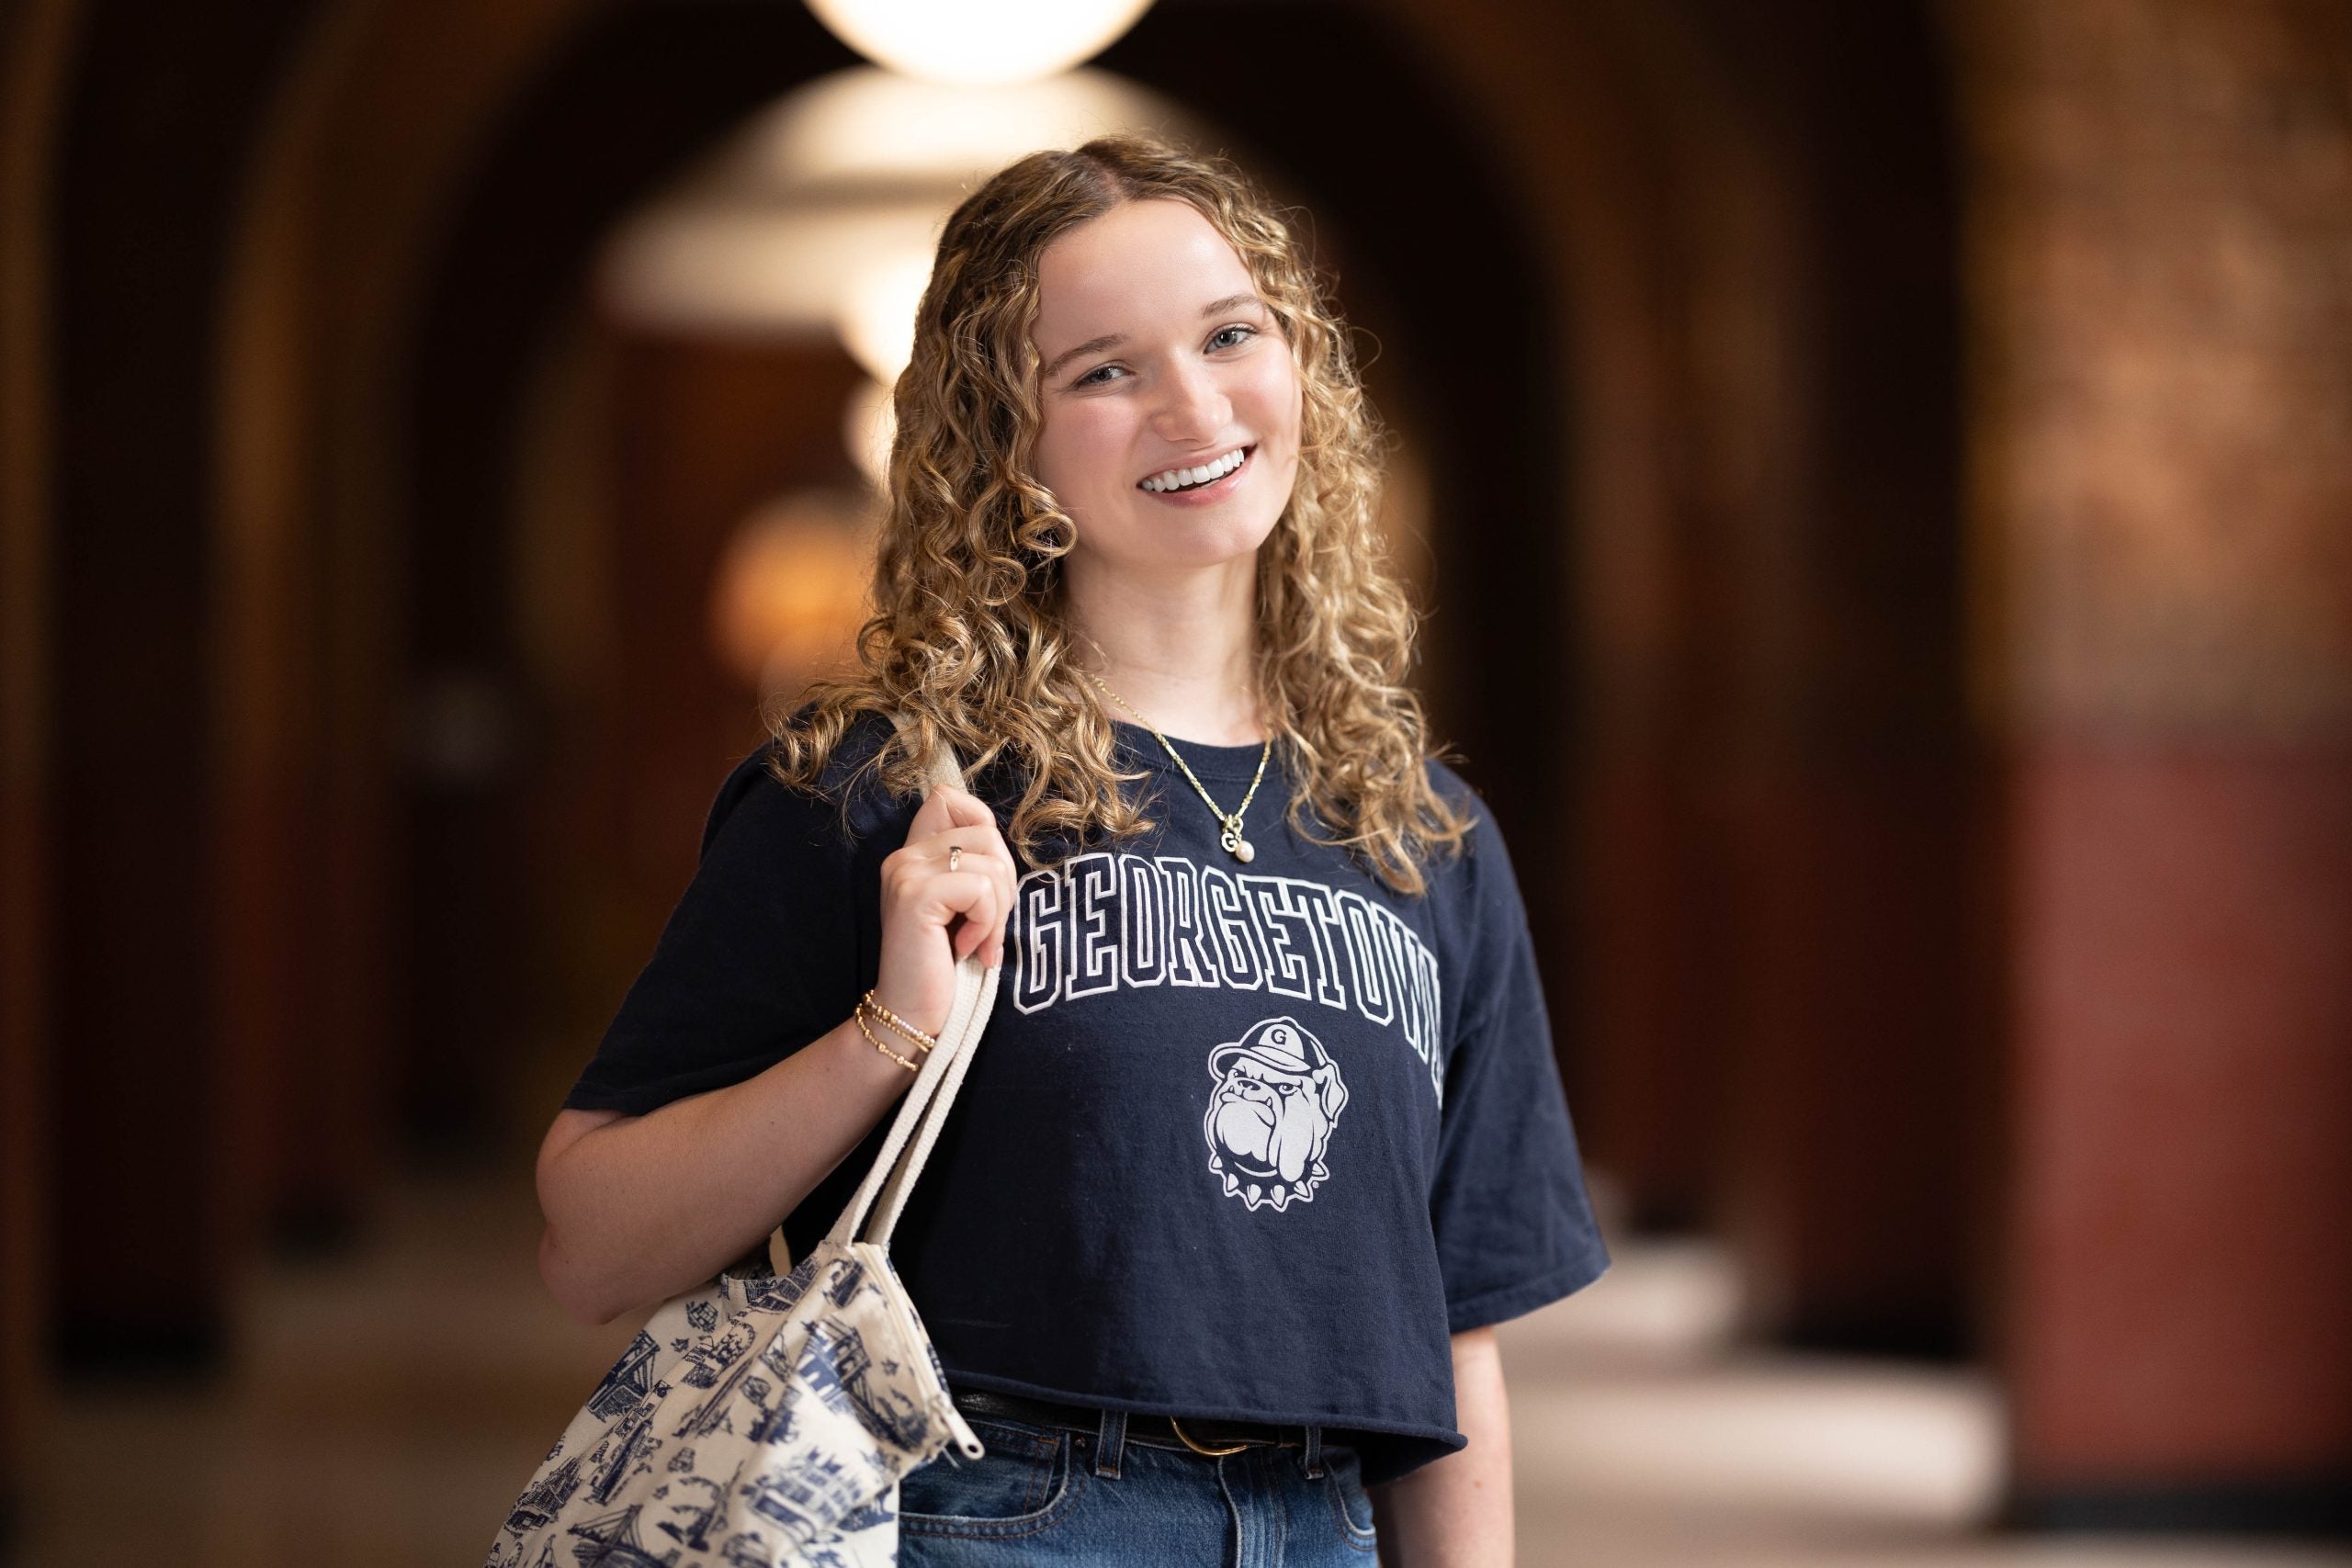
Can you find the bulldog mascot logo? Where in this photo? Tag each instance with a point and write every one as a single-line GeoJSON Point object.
{"type": "Point", "coordinates": [1278, 1096]}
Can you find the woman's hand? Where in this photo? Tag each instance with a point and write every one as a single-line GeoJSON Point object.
{"type": "Point", "coordinates": [932, 916]}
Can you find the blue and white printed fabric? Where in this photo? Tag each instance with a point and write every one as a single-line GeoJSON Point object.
{"type": "Point", "coordinates": [763, 1421]}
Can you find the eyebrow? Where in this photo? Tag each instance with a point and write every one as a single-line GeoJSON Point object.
{"type": "Point", "coordinates": [1112, 340]}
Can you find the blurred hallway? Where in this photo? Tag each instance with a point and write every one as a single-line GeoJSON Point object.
{"type": "Point", "coordinates": [388, 1405]}
{"type": "Point", "coordinates": [1877, 475]}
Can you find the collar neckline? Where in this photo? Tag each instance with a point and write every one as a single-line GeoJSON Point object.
{"type": "Point", "coordinates": [1236, 763]}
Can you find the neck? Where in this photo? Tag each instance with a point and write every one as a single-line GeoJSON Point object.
{"type": "Point", "coordinates": [1180, 650]}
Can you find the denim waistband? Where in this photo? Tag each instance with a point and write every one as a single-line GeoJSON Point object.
{"type": "Point", "coordinates": [1113, 1430]}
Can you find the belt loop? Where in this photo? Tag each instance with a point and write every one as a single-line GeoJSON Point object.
{"type": "Point", "coordinates": [1111, 1443]}
{"type": "Point", "coordinates": [1314, 1453]}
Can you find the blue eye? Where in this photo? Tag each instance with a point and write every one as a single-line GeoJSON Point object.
{"type": "Point", "coordinates": [1097, 376]}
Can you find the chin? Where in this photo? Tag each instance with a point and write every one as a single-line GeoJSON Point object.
{"type": "Point", "coordinates": [1225, 547]}
{"type": "Point", "coordinates": [1194, 548]}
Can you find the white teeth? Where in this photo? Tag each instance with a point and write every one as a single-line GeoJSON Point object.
{"type": "Point", "coordinates": [1179, 479]}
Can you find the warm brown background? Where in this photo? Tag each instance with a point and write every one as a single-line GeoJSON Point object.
{"type": "Point", "coordinates": [1890, 542]}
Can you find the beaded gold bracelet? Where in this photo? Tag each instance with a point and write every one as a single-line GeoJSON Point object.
{"type": "Point", "coordinates": [914, 1036]}
{"type": "Point", "coordinates": [862, 1029]}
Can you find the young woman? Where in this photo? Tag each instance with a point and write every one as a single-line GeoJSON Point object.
{"type": "Point", "coordinates": [1265, 1133]}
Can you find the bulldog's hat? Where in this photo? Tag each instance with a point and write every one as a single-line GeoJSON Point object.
{"type": "Point", "coordinates": [1282, 1043]}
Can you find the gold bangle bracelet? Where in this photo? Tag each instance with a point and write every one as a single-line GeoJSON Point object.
{"type": "Point", "coordinates": [868, 1009]}
{"type": "Point", "coordinates": [862, 1028]}
{"type": "Point", "coordinates": [915, 1037]}
{"type": "Point", "coordinates": [920, 1043]}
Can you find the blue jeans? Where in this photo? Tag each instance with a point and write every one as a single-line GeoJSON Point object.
{"type": "Point", "coordinates": [1053, 1494]}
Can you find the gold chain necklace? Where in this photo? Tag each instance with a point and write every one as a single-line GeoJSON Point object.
{"type": "Point", "coordinates": [1234, 844]}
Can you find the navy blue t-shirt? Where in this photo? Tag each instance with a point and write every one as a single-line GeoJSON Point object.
{"type": "Point", "coordinates": [1241, 1141]}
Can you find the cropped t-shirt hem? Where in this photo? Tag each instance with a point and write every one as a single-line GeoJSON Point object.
{"type": "Point", "coordinates": [1423, 1443]}
{"type": "Point", "coordinates": [1489, 1307]}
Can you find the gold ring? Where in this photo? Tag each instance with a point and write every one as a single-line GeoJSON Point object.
{"type": "Point", "coordinates": [1213, 1453]}
{"type": "Point", "coordinates": [954, 853]}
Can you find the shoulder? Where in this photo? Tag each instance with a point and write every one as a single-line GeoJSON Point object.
{"type": "Point", "coordinates": [1483, 854]}
{"type": "Point", "coordinates": [1450, 785]}
{"type": "Point", "coordinates": [1474, 891]}
{"type": "Point", "coordinates": [848, 803]}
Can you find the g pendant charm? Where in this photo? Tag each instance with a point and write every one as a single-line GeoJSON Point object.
{"type": "Point", "coordinates": [1234, 844]}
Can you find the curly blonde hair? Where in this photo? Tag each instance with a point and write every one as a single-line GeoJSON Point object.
{"type": "Point", "coordinates": [970, 638]}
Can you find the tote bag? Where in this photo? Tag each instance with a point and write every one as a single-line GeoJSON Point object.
{"type": "Point", "coordinates": [765, 1419]}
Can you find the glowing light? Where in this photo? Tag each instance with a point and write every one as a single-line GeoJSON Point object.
{"type": "Point", "coordinates": [862, 130]}
{"type": "Point", "coordinates": [876, 316]}
{"type": "Point", "coordinates": [789, 591]}
{"type": "Point", "coordinates": [850, 176]}
{"type": "Point", "coordinates": [698, 267]}
{"type": "Point", "coordinates": [869, 423]}
{"type": "Point", "coordinates": [978, 42]}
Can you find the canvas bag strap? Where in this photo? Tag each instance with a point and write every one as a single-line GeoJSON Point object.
{"type": "Point", "coordinates": [902, 1179]}
{"type": "Point", "coordinates": [910, 1162]}
{"type": "Point", "coordinates": [927, 1101]}
{"type": "Point", "coordinates": [975, 993]}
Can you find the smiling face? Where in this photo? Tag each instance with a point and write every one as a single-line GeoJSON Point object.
{"type": "Point", "coordinates": [1157, 359]}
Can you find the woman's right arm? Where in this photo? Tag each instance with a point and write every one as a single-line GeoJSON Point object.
{"type": "Point", "coordinates": [641, 1208]}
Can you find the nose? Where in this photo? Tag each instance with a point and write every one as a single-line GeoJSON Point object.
{"type": "Point", "coordinates": [1195, 408]}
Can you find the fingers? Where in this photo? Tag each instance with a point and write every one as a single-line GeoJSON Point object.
{"type": "Point", "coordinates": [982, 916]}
{"type": "Point", "coordinates": [954, 819]}
{"type": "Point", "coordinates": [935, 815]}
{"type": "Point", "coordinates": [969, 903]}
{"type": "Point", "coordinates": [946, 808]}
{"type": "Point", "coordinates": [965, 809]}
{"type": "Point", "coordinates": [984, 855]}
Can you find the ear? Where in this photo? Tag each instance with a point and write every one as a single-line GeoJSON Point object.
{"type": "Point", "coordinates": [1334, 1093]}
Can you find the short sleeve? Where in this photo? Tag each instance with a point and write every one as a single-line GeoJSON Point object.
{"type": "Point", "coordinates": [761, 955]}
{"type": "Point", "coordinates": [1513, 1221]}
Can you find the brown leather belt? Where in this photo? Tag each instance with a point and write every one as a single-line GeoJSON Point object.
{"type": "Point", "coordinates": [1201, 1437]}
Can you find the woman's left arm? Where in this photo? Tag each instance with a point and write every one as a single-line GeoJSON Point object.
{"type": "Point", "coordinates": [1456, 1512]}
